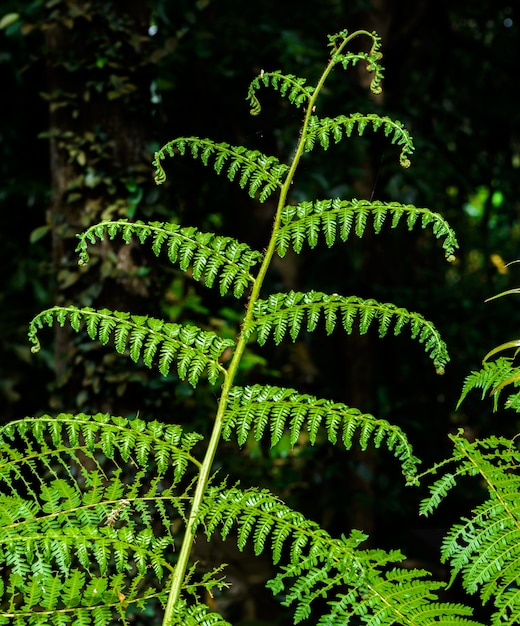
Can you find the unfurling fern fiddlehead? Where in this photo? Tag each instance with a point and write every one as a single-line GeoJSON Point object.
{"type": "Point", "coordinates": [356, 582]}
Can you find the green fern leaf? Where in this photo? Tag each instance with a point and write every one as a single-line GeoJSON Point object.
{"type": "Point", "coordinates": [322, 128]}
{"type": "Point", "coordinates": [194, 350]}
{"type": "Point", "coordinates": [257, 408]}
{"type": "Point", "coordinates": [210, 256]}
{"type": "Point", "coordinates": [336, 219]}
{"type": "Point", "coordinates": [278, 315]}
{"type": "Point", "coordinates": [293, 87]}
{"type": "Point", "coordinates": [267, 170]}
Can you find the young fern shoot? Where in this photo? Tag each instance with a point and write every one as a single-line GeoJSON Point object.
{"type": "Point", "coordinates": [357, 582]}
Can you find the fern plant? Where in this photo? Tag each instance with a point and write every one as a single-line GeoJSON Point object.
{"type": "Point", "coordinates": [496, 375]}
{"type": "Point", "coordinates": [85, 542]}
{"type": "Point", "coordinates": [482, 547]}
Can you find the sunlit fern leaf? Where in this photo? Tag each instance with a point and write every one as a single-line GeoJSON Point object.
{"type": "Point", "coordinates": [335, 219]}
{"type": "Point", "coordinates": [74, 523]}
{"type": "Point", "coordinates": [157, 342]}
{"type": "Point", "coordinates": [259, 173]}
{"type": "Point", "coordinates": [210, 256]}
{"type": "Point", "coordinates": [288, 85]}
{"type": "Point", "coordinates": [357, 582]}
{"type": "Point", "coordinates": [322, 129]}
{"type": "Point", "coordinates": [280, 315]}
{"type": "Point", "coordinates": [484, 548]}
{"type": "Point", "coordinates": [489, 378]}
{"type": "Point", "coordinates": [263, 407]}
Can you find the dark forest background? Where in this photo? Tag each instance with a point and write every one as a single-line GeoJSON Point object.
{"type": "Point", "coordinates": [90, 89]}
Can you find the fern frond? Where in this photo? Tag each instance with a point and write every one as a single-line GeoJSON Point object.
{"type": "Point", "coordinates": [290, 313]}
{"type": "Point", "coordinates": [160, 343]}
{"type": "Point", "coordinates": [491, 378]}
{"type": "Point", "coordinates": [209, 256]}
{"type": "Point", "coordinates": [323, 129]}
{"type": "Point", "coordinates": [290, 86]}
{"type": "Point", "coordinates": [323, 567]}
{"type": "Point", "coordinates": [260, 173]}
{"type": "Point", "coordinates": [260, 407]}
{"type": "Point", "coordinates": [79, 535]}
{"type": "Point", "coordinates": [335, 219]}
{"type": "Point", "coordinates": [485, 547]}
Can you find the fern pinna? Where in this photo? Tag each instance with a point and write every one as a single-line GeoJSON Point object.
{"type": "Point", "coordinates": [100, 547]}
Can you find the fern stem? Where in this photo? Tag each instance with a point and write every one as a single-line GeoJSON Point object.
{"type": "Point", "coordinates": [205, 470]}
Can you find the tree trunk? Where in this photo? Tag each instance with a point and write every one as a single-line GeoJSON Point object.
{"type": "Point", "coordinates": [98, 76]}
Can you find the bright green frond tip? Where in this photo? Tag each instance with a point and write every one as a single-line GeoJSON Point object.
{"type": "Point", "coordinates": [157, 343]}
{"type": "Point", "coordinates": [342, 55]}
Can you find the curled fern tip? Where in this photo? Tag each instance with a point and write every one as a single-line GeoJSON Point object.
{"type": "Point", "coordinates": [160, 174]}
{"type": "Point", "coordinates": [256, 107]}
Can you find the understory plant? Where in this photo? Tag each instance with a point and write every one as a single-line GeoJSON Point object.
{"type": "Point", "coordinates": [99, 513]}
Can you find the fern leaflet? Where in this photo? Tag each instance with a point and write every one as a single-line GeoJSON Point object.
{"type": "Point", "coordinates": [287, 84]}
{"type": "Point", "coordinates": [336, 219]}
{"type": "Point", "coordinates": [254, 409]}
{"type": "Point", "coordinates": [155, 341]}
{"type": "Point", "coordinates": [491, 378]}
{"type": "Point", "coordinates": [209, 256]}
{"type": "Point", "coordinates": [322, 129]}
{"type": "Point", "coordinates": [289, 313]}
{"type": "Point", "coordinates": [260, 173]}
